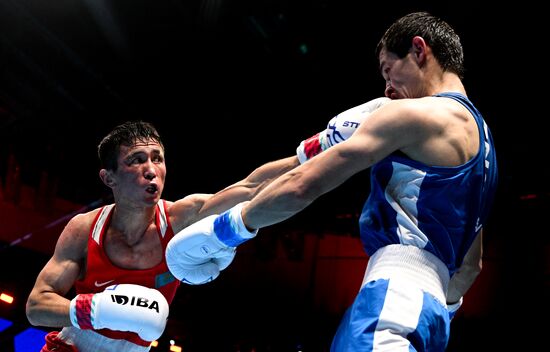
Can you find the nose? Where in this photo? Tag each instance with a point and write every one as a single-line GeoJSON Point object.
{"type": "Point", "coordinates": [149, 173]}
{"type": "Point", "coordinates": [389, 89]}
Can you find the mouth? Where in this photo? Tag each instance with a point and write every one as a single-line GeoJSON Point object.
{"type": "Point", "coordinates": [152, 188]}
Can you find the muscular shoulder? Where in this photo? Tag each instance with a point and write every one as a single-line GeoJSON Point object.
{"type": "Point", "coordinates": [444, 132]}
{"type": "Point", "coordinates": [74, 238]}
{"type": "Point", "coordinates": [422, 117]}
{"type": "Point", "coordinates": [437, 110]}
{"type": "Point", "coordinates": [187, 210]}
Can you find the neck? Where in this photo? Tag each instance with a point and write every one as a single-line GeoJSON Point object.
{"type": "Point", "coordinates": [446, 82]}
{"type": "Point", "coordinates": [132, 223]}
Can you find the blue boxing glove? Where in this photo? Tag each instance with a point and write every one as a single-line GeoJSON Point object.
{"type": "Point", "coordinates": [453, 308]}
{"type": "Point", "coordinates": [198, 253]}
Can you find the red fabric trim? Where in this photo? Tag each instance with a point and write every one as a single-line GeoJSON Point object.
{"type": "Point", "coordinates": [124, 335]}
{"type": "Point", "coordinates": [84, 310]}
{"type": "Point", "coordinates": [312, 146]}
{"type": "Point", "coordinates": [55, 344]}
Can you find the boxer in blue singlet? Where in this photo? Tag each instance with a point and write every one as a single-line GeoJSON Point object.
{"type": "Point", "coordinates": [433, 178]}
{"type": "Point", "coordinates": [416, 225]}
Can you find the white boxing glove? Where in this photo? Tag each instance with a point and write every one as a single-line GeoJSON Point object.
{"type": "Point", "coordinates": [123, 307]}
{"type": "Point", "coordinates": [198, 253]}
{"type": "Point", "coordinates": [339, 128]}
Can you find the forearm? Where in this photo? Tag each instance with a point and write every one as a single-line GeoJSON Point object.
{"type": "Point", "coordinates": [47, 304]}
{"type": "Point", "coordinates": [279, 201]}
{"type": "Point", "coordinates": [460, 283]}
{"type": "Point", "coordinates": [298, 188]}
{"type": "Point", "coordinates": [48, 309]}
{"type": "Point", "coordinates": [265, 174]}
{"type": "Point", "coordinates": [273, 212]}
{"type": "Point", "coordinates": [249, 187]}
{"type": "Point", "coordinates": [465, 276]}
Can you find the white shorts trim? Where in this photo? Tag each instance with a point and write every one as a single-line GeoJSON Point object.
{"type": "Point", "coordinates": [416, 265]}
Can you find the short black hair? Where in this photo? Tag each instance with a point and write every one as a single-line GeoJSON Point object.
{"type": "Point", "coordinates": [438, 34]}
{"type": "Point", "coordinates": [127, 134]}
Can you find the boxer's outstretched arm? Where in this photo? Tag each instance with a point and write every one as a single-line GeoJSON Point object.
{"type": "Point", "coordinates": [198, 206]}
{"type": "Point", "coordinates": [199, 252]}
{"type": "Point", "coordinates": [195, 207]}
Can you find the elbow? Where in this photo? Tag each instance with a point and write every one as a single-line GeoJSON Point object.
{"type": "Point", "coordinates": [31, 312]}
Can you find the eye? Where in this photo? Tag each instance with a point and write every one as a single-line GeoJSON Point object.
{"type": "Point", "coordinates": [157, 159]}
{"type": "Point", "coordinates": [135, 159]}
{"type": "Point", "coordinates": [386, 73]}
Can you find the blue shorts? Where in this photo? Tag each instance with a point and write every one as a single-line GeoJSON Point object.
{"type": "Point", "coordinates": [393, 315]}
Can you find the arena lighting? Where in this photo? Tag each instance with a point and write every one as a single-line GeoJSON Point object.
{"type": "Point", "coordinates": [174, 347]}
{"type": "Point", "coordinates": [6, 298]}
{"type": "Point", "coordinates": [154, 343]}
{"type": "Point", "coordinates": [30, 339]}
{"type": "Point", "coordinates": [4, 324]}
{"type": "Point", "coordinates": [528, 196]}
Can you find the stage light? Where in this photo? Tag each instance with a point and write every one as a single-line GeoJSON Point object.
{"type": "Point", "coordinates": [6, 298]}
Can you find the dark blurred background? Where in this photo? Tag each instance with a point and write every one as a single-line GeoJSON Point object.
{"type": "Point", "coordinates": [231, 85]}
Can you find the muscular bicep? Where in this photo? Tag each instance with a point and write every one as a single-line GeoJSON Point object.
{"type": "Point", "coordinates": [394, 126]}
{"type": "Point", "coordinates": [197, 206]}
{"type": "Point", "coordinates": [376, 138]}
{"type": "Point", "coordinates": [47, 304]}
{"type": "Point", "coordinates": [390, 128]}
{"type": "Point", "coordinates": [66, 264]}
{"type": "Point", "coordinates": [186, 211]}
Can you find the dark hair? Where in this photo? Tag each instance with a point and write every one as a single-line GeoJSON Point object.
{"type": "Point", "coordinates": [126, 134]}
{"type": "Point", "coordinates": [438, 34]}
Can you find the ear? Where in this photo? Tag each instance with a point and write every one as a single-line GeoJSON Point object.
{"type": "Point", "coordinates": [107, 178]}
{"type": "Point", "coordinates": [419, 49]}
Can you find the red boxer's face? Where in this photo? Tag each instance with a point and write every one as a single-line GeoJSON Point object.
{"type": "Point", "coordinates": [141, 173]}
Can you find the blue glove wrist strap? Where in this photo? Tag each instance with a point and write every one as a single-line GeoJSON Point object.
{"type": "Point", "coordinates": [223, 227]}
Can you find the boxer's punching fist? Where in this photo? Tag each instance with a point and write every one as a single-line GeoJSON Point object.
{"type": "Point", "coordinates": [124, 307]}
{"type": "Point", "coordinates": [198, 253]}
{"type": "Point", "coordinates": [339, 128]}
